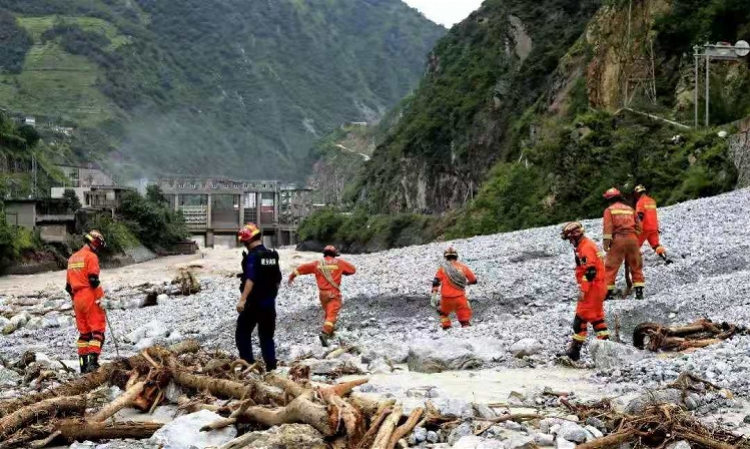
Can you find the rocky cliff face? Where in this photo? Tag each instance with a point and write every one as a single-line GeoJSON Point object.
{"type": "Point", "coordinates": [512, 74]}
{"type": "Point", "coordinates": [481, 78]}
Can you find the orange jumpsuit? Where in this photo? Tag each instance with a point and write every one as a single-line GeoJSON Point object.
{"type": "Point", "coordinates": [330, 293]}
{"type": "Point", "coordinates": [453, 298]}
{"type": "Point", "coordinates": [90, 318]}
{"type": "Point", "coordinates": [622, 227]}
{"type": "Point", "coordinates": [646, 210]}
{"type": "Point", "coordinates": [590, 307]}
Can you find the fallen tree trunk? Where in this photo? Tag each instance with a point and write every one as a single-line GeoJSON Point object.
{"type": "Point", "coordinates": [256, 391]}
{"type": "Point", "coordinates": [612, 440]}
{"type": "Point", "coordinates": [118, 404]}
{"type": "Point", "coordinates": [79, 430]}
{"type": "Point", "coordinates": [23, 416]}
{"type": "Point", "coordinates": [90, 381]}
{"type": "Point", "coordinates": [379, 416]}
{"type": "Point", "coordinates": [300, 410]}
{"type": "Point", "coordinates": [406, 428]}
{"type": "Point", "coordinates": [74, 388]}
{"type": "Point", "coordinates": [386, 430]}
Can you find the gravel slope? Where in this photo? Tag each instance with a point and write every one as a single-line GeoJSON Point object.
{"type": "Point", "coordinates": [526, 290]}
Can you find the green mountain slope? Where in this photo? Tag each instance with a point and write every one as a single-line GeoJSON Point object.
{"type": "Point", "coordinates": [521, 87]}
{"type": "Point", "coordinates": [224, 87]}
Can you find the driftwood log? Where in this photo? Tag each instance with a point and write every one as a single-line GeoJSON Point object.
{"type": "Point", "coordinates": [702, 333]}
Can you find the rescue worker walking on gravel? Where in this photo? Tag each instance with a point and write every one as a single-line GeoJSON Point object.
{"type": "Point", "coordinates": [449, 290]}
{"type": "Point", "coordinates": [620, 235]}
{"type": "Point", "coordinates": [328, 274]}
{"type": "Point", "coordinates": [592, 289]}
{"type": "Point", "coordinates": [260, 280]}
{"type": "Point", "coordinates": [645, 207]}
{"type": "Point", "coordinates": [84, 287]}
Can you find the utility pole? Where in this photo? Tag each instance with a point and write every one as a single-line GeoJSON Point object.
{"type": "Point", "coordinates": [720, 51]}
{"type": "Point", "coordinates": [697, 53]}
{"type": "Point", "coordinates": [708, 87]}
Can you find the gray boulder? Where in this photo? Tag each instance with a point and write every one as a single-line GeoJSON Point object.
{"type": "Point", "coordinates": [35, 323]}
{"type": "Point", "coordinates": [610, 355]}
{"type": "Point", "coordinates": [525, 347]}
{"type": "Point", "coordinates": [520, 442]}
{"type": "Point", "coordinates": [562, 443]}
{"type": "Point", "coordinates": [484, 411]}
{"type": "Point", "coordinates": [436, 356]}
{"type": "Point", "coordinates": [420, 434]}
{"type": "Point", "coordinates": [9, 378]}
{"type": "Point", "coordinates": [679, 445]}
{"type": "Point", "coordinates": [595, 433]}
{"type": "Point", "coordinates": [543, 439]}
{"type": "Point", "coordinates": [463, 430]}
{"type": "Point", "coordinates": [474, 442]}
{"type": "Point", "coordinates": [572, 432]}
{"type": "Point", "coordinates": [184, 432]}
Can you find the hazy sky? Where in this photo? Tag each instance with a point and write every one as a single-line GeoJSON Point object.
{"type": "Point", "coordinates": [445, 12]}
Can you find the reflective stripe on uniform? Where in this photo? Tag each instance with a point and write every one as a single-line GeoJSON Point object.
{"type": "Point", "coordinates": [296, 272]}
{"type": "Point", "coordinates": [611, 288]}
{"type": "Point", "coordinates": [578, 337]}
{"type": "Point", "coordinates": [445, 319]}
{"type": "Point", "coordinates": [622, 212]}
{"type": "Point", "coordinates": [328, 323]}
{"type": "Point", "coordinates": [95, 343]}
{"type": "Point", "coordinates": [649, 206]}
{"type": "Point", "coordinates": [604, 333]}
{"type": "Point", "coordinates": [76, 265]}
{"type": "Point", "coordinates": [639, 284]}
{"type": "Point", "coordinates": [607, 236]}
{"type": "Point", "coordinates": [330, 267]}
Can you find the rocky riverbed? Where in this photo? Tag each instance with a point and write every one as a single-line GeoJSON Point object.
{"type": "Point", "coordinates": [523, 310]}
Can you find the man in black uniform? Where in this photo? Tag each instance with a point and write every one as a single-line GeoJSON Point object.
{"type": "Point", "coordinates": [261, 277]}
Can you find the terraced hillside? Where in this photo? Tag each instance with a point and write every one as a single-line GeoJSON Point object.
{"type": "Point", "coordinates": [208, 88]}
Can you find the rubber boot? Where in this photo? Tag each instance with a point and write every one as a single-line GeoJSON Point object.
{"type": "Point", "coordinates": [324, 339]}
{"type": "Point", "coordinates": [639, 293]}
{"type": "Point", "coordinates": [83, 363]}
{"type": "Point", "coordinates": [574, 351]}
{"type": "Point", "coordinates": [93, 362]}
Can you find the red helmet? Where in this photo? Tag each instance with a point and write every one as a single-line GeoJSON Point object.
{"type": "Point", "coordinates": [612, 194]}
{"type": "Point", "coordinates": [248, 233]}
{"type": "Point", "coordinates": [330, 250]}
{"type": "Point", "coordinates": [95, 239]}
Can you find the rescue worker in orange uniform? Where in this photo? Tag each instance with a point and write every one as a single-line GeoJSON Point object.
{"type": "Point", "coordinates": [621, 230]}
{"type": "Point", "coordinates": [85, 289]}
{"type": "Point", "coordinates": [328, 274]}
{"type": "Point", "coordinates": [590, 274]}
{"type": "Point", "coordinates": [645, 207]}
{"type": "Point", "coordinates": [449, 290]}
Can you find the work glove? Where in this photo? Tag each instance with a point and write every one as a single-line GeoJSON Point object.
{"type": "Point", "coordinates": [435, 301]}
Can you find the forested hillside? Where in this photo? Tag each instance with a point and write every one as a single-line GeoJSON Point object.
{"type": "Point", "coordinates": [224, 87]}
{"type": "Point", "coordinates": [543, 108]}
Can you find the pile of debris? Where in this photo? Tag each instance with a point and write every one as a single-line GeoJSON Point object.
{"type": "Point", "coordinates": [702, 333]}
{"type": "Point", "coordinates": [216, 390]}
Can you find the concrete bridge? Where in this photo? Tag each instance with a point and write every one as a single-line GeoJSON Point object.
{"type": "Point", "coordinates": [215, 208]}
